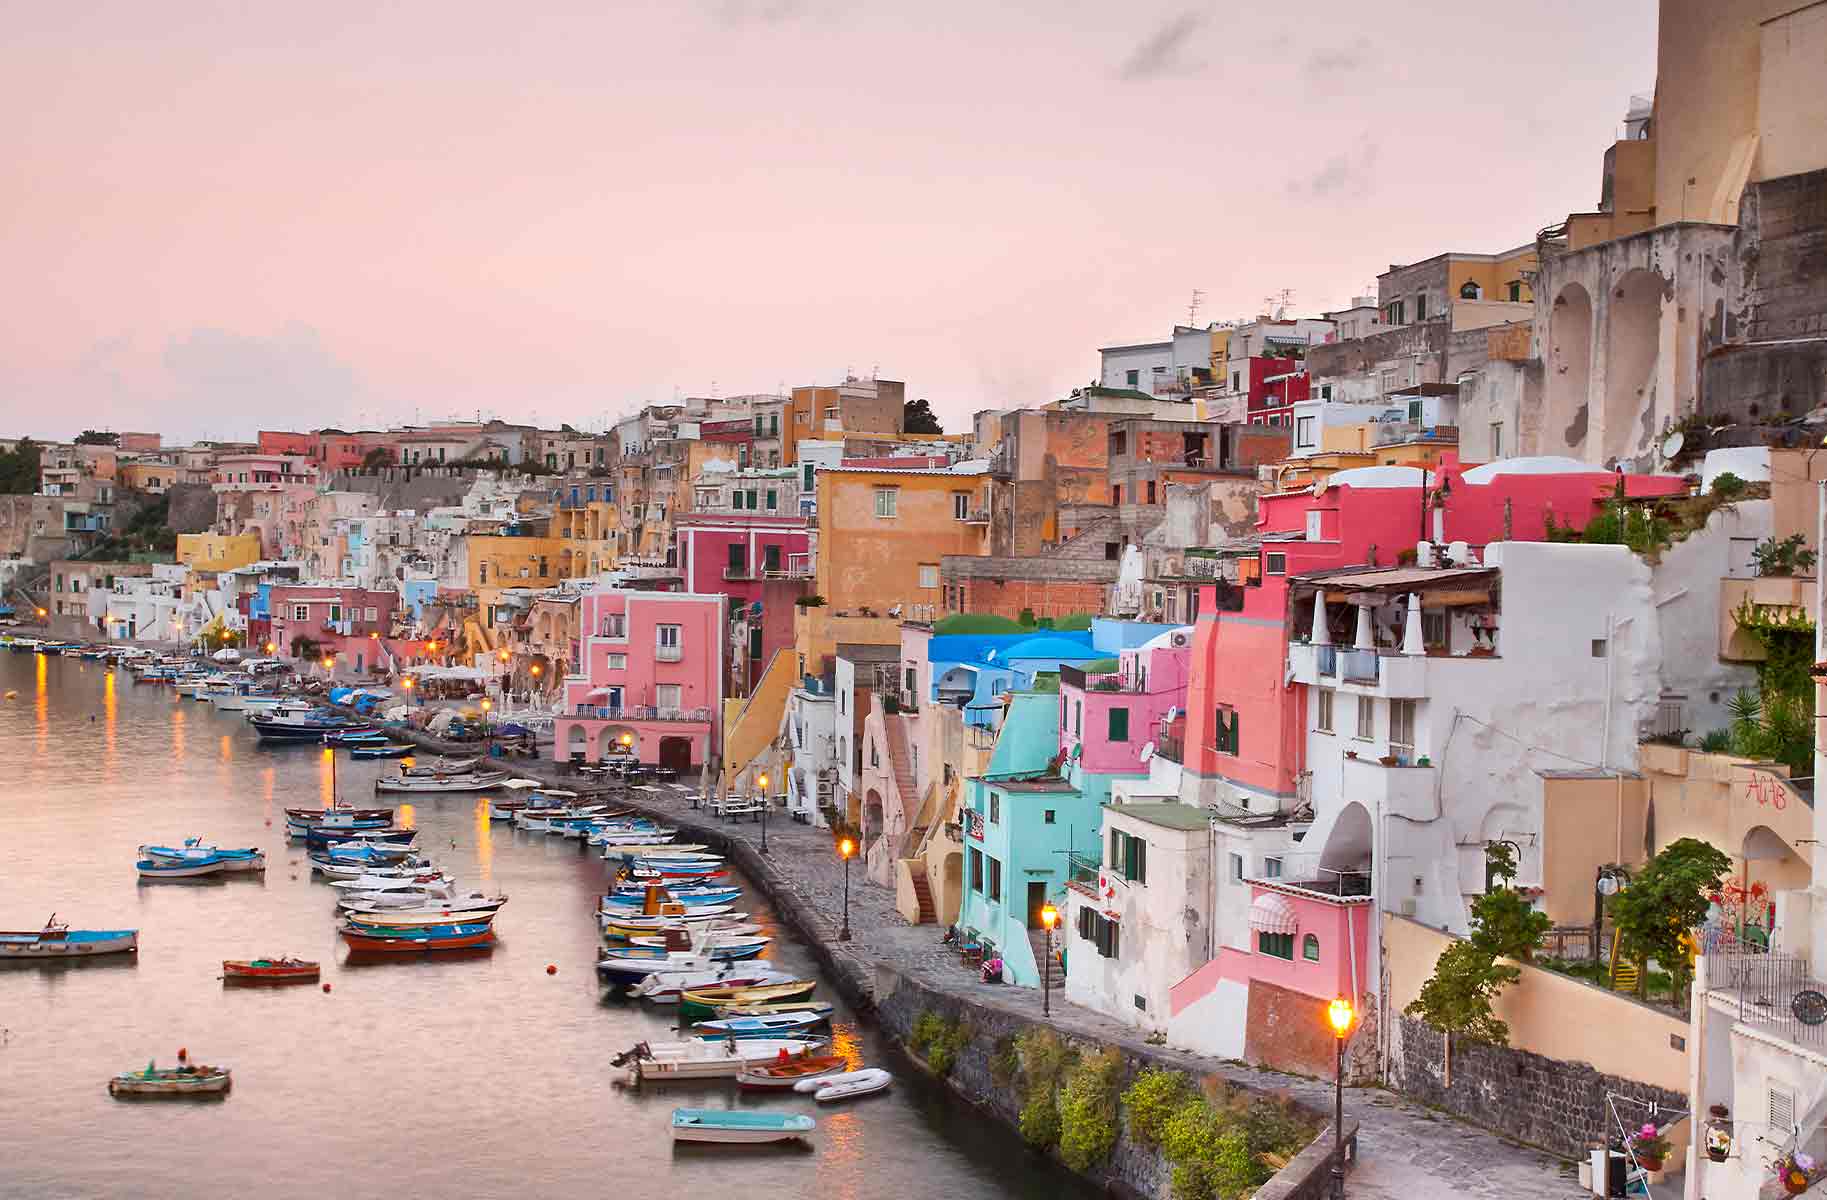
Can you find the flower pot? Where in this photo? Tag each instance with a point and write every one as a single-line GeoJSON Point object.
{"type": "Point", "coordinates": [1351, 754]}
{"type": "Point", "coordinates": [1388, 760]}
{"type": "Point", "coordinates": [1795, 1182]}
{"type": "Point", "coordinates": [1648, 1163]}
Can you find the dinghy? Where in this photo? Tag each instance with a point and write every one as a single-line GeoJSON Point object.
{"type": "Point", "coordinates": [848, 1086]}
{"type": "Point", "coordinates": [182, 1080]}
{"type": "Point", "coordinates": [154, 868]}
{"type": "Point", "coordinates": [664, 987]}
{"type": "Point", "coordinates": [383, 750]}
{"type": "Point", "coordinates": [284, 969]}
{"type": "Point", "coordinates": [738, 1128]}
{"type": "Point", "coordinates": [776, 1025]}
{"type": "Point", "coordinates": [410, 941]}
{"type": "Point", "coordinates": [701, 1004]}
{"type": "Point", "coordinates": [437, 785]}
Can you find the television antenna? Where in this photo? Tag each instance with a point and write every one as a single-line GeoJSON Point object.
{"type": "Point", "coordinates": [1192, 308]}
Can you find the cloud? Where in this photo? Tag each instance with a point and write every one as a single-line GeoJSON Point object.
{"type": "Point", "coordinates": [1163, 53]}
{"type": "Point", "coordinates": [291, 375]}
{"type": "Point", "coordinates": [1342, 175]}
{"type": "Point", "coordinates": [1330, 62]}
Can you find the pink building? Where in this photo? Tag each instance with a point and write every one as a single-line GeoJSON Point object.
{"type": "Point", "coordinates": [257, 471]}
{"type": "Point", "coordinates": [346, 622]}
{"type": "Point", "coordinates": [761, 563]}
{"type": "Point", "coordinates": [1106, 718]}
{"type": "Point", "coordinates": [652, 678]}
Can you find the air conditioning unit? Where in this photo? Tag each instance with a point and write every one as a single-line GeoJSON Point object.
{"type": "Point", "coordinates": [1406, 906]}
{"type": "Point", "coordinates": [1182, 638]}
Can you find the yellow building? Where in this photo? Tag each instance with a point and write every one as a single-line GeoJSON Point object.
{"type": "Point", "coordinates": [881, 537]}
{"type": "Point", "coordinates": [854, 406]}
{"type": "Point", "coordinates": [498, 561]}
{"type": "Point", "coordinates": [588, 522]}
{"type": "Point", "coordinates": [218, 551]}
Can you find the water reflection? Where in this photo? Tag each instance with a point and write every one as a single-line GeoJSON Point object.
{"type": "Point", "coordinates": [485, 840]}
{"type": "Point", "coordinates": [108, 714]}
{"type": "Point", "coordinates": [405, 818]}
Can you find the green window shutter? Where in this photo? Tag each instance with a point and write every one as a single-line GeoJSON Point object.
{"type": "Point", "coordinates": [1141, 852]}
{"type": "Point", "coordinates": [1119, 725]}
{"type": "Point", "coordinates": [1116, 850]}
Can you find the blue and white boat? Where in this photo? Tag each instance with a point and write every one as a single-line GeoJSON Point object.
{"type": "Point", "coordinates": [58, 942]}
{"type": "Point", "coordinates": [738, 1126]}
{"type": "Point", "coordinates": [690, 897]}
{"type": "Point", "coordinates": [194, 851]}
{"type": "Point", "coordinates": [772, 1025]}
{"type": "Point", "coordinates": [156, 868]}
{"type": "Point", "coordinates": [382, 749]}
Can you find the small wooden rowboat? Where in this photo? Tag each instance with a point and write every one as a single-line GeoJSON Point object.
{"type": "Point", "coordinates": [821, 1009]}
{"type": "Point", "coordinates": [184, 1080]}
{"type": "Point", "coordinates": [782, 1074]}
{"type": "Point", "coordinates": [738, 1128]}
{"type": "Point", "coordinates": [268, 970]}
{"type": "Point", "coordinates": [772, 1025]}
{"type": "Point", "coordinates": [701, 1004]}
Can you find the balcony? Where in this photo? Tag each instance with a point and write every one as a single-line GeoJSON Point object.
{"type": "Point", "coordinates": [738, 574]}
{"type": "Point", "coordinates": [1398, 790]}
{"type": "Point", "coordinates": [977, 516]}
{"type": "Point", "coordinates": [1763, 601]}
{"type": "Point", "coordinates": [599, 712]}
{"type": "Point", "coordinates": [668, 654]}
{"type": "Point", "coordinates": [1361, 672]}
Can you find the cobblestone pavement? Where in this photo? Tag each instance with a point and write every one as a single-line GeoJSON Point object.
{"type": "Point", "coordinates": [1405, 1151]}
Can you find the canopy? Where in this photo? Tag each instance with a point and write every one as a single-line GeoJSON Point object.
{"type": "Point", "coordinates": [1270, 913]}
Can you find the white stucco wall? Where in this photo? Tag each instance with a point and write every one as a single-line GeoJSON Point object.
{"type": "Point", "coordinates": [1687, 615]}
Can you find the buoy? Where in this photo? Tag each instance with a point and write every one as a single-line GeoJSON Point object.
{"type": "Point", "coordinates": [12, 695]}
{"type": "Point", "coordinates": [183, 1054]}
{"type": "Point", "coordinates": [326, 989]}
{"type": "Point", "coordinates": [551, 968]}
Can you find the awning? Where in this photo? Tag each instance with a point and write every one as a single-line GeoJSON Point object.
{"type": "Point", "coordinates": [593, 693]}
{"type": "Point", "coordinates": [1270, 913]}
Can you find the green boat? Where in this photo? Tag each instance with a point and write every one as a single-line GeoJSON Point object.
{"type": "Point", "coordinates": [702, 1004]}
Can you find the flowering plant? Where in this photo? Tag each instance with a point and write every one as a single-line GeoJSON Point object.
{"type": "Point", "coordinates": [1797, 1171]}
{"type": "Point", "coordinates": [1648, 1143]}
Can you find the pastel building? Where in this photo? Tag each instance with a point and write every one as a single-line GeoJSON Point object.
{"type": "Point", "coordinates": [341, 622]}
{"type": "Point", "coordinates": [652, 666]}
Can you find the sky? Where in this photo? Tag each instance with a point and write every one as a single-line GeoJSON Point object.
{"type": "Point", "coordinates": [225, 217]}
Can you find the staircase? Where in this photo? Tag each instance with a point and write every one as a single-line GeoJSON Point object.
{"type": "Point", "coordinates": [901, 759]}
{"type": "Point", "coordinates": [929, 913]}
{"type": "Point", "coordinates": [1624, 978]}
{"type": "Point", "coordinates": [1037, 942]}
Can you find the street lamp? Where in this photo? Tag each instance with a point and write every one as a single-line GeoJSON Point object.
{"type": "Point", "coordinates": [1049, 916]}
{"type": "Point", "coordinates": [1340, 1015]}
{"type": "Point", "coordinates": [846, 850]}
{"type": "Point", "coordinates": [762, 782]}
{"type": "Point", "coordinates": [488, 729]}
{"type": "Point", "coordinates": [271, 647]}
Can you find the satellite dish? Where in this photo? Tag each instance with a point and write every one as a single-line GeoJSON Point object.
{"type": "Point", "coordinates": [1671, 445]}
{"type": "Point", "coordinates": [1172, 713]}
{"type": "Point", "coordinates": [1608, 884]}
{"type": "Point", "coordinates": [1148, 751]}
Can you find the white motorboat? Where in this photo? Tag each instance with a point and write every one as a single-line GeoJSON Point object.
{"type": "Point", "coordinates": [663, 987]}
{"type": "Point", "coordinates": [653, 1062]}
{"type": "Point", "coordinates": [828, 1088]}
{"type": "Point", "coordinates": [356, 868]}
{"type": "Point", "coordinates": [57, 941]}
{"type": "Point", "coordinates": [442, 766]}
{"type": "Point", "coordinates": [469, 781]}
{"type": "Point", "coordinates": [427, 883]}
{"type": "Point", "coordinates": [421, 918]}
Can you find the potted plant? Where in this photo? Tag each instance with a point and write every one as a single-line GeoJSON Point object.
{"type": "Point", "coordinates": [1650, 1147]}
{"type": "Point", "coordinates": [1797, 1171]}
{"type": "Point", "coordinates": [1719, 1133]}
{"type": "Point", "coordinates": [1351, 754]}
{"type": "Point", "coordinates": [1388, 760]}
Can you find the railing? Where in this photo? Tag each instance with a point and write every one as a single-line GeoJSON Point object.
{"type": "Point", "coordinates": [973, 823]}
{"type": "Point", "coordinates": [981, 737]}
{"type": "Point", "coordinates": [645, 712]}
{"type": "Point", "coordinates": [1360, 666]}
{"type": "Point", "coordinates": [668, 653]}
{"type": "Point", "coordinates": [977, 516]}
{"type": "Point", "coordinates": [737, 574]}
{"type": "Point", "coordinates": [1082, 868]}
{"type": "Point", "coordinates": [1326, 659]}
{"type": "Point", "coordinates": [1776, 995]}
{"type": "Point", "coordinates": [1201, 566]}
{"type": "Point", "coordinates": [1172, 747]}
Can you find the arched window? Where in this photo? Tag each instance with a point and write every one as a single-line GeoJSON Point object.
{"type": "Point", "coordinates": [1470, 291]}
{"type": "Point", "coordinates": [1309, 948]}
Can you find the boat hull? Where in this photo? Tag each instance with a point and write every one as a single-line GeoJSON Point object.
{"type": "Point", "coordinates": [152, 869]}
{"type": "Point", "coordinates": [269, 971]}
{"type": "Point", "coordinates": [80, 943]}
{"type": "Point", "coordinates": [715, 1127]}
{"type": "Point", "coordinates": [769, 1077]}
{"type": "Point", "coordinates": [206, 1082]}
{"type": "Point", "coordinates": [400, 941]}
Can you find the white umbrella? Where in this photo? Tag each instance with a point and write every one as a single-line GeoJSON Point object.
{"type": "Point", "coordinates": [227, 654]}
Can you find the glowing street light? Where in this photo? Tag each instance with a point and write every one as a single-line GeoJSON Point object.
{"type": "Point", "coordinates": [406, 683]}
{"type": "Point", "coordinates": [761, 782]}
{"type": "Point", "coordinates": [271, 647]}
{"type": "Point", "coordinates": [1049, 916]}
{"type": "Point", "coordinates": [846, 850]}
{"type": "Point", "coordinates": [1340, 1016]}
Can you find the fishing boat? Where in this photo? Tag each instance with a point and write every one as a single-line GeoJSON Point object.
{"type": "Point", "coordinates": [365, 736]}
{"type": "Point", "coordinates": [57, 941]}
{"type": "Point", "coordinates": [383, 750]}
{"type": "Point", "coordinates": [665, 987]}
{"type": "Point", "coordinates": [631, 929]}
{"type": "Point", "coordinates": [690, 897]}
{"type": "Point", "coordinates": [381, 817]}
{"type": "Point", "coordinates": [194, 851]}
{"type": "Point", "coordinates": [694, 1059]}
{"type": "Point", "coordinates": [268, 970]}
{"type": "Point", "coordinates": [444, 766]}
{"type": "Point", "coordinates": [283, 723]}
{"type": "Point", "coordinates": [185, 1079]}
{"type": "Point", "coordinates": [740, 1128]}
{"type": "Point", "coordinates": [155, 868]}
{"type": "Point", "coordinates": [781, 1074]}
{"type": "Point", "coordinates": [822, 1009]}
{"type": "Point", "coordinates": [774, 1025]}
{"type": "Point", "coordinates": [394, 881]}
{"type": "Point", "coordinates": [719, 942]}
{"type": "Point", "coordinates": [318, 836]}
{"type": "Point", "coordinates": [847, 1086]}
{"type": "Point", "coordinates": [340, 868]}
{"type": "Point", "coordinates": [468, 781]}
{"type": "Point", "coordinates": [396, 940]}
{"type": "Point", "coordinates": [700, 1004]}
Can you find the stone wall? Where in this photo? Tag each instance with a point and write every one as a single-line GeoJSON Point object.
{"type": "Point", "coordinates": [192, 507]}
{"type": "Point", "coordinates": [1558, 1106]}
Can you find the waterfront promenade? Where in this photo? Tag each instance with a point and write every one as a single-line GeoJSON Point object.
{"type": "Point", "coordinates": [1405, 1151]}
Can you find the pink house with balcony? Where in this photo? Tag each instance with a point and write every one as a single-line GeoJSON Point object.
{"type": "Point", "coordinates": [348, 624]}
{"type": "Point", "coordinates": [761, 563]}
{"type": "Point", "coordinates": [651, 683]}
{"type": "Point", "coordinates": [1106, 718]}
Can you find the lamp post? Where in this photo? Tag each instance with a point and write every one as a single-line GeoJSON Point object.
{"type": "Point", "coordinates": [488, 729]}
{"type": "Point", "coordinates": [1340, 1015]}
{"type": "Point", "coordinates": [763, 782]}
{"type": "Point", "coordinates": [846, 849]}
{"type": "Point", "coordinates": [1049, 916]}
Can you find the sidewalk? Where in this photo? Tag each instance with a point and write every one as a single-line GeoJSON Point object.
{"type": "Point", "coordinates": [1405, 1151]}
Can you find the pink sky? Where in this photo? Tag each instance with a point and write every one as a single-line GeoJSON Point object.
{"type": "Point", "coordinates": [219, 217]}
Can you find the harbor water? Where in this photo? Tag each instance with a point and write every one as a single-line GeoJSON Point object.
{"type": "Point", "coordinates": [478, 1074]}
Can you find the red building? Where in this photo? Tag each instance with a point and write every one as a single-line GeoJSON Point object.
{"type": "Point", "coordinates": [330, 449]}
{"type": "Point", "coordinates": [1274, 383]}
{"type": "Point", "coordinates": [346, 622]}
{"type": "Point", "coordinates": [761, 563]}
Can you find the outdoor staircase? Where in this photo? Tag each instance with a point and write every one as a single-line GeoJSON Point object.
{"type": "Point", "coordinates": [1037, 942]}
{"type": "Point", "coordinates": [900, 757]}
{"type": "Point", "coordinates": [1624, 978]}
{"type": "Point", "coordinates": [923, 893]}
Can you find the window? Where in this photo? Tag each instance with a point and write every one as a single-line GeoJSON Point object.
{"type": "Point", "coordinates": [668, 695]}
{"type": "Point", "coordinates": [773, 499]}
{"type": "Point", "coordinates": [1271, 868]}
{"type": "Point", "coordinates": [739, 558]}
{"type": "Point", "coordinates": [1119, 442]}
{"type": "Point", "coordinates": [977, 871]}
{"type": "Point", "coordinates": [1151, 491]}
{"type": "Point", "coordinates": [750, 495]}
{"type": "Point", "coordinates": [996, 879]}
{"type": "Point", "coordinates": [1128, 856]}
{"type": "Point", "coordinates": [1402, 725]}
{"type": "Point", "coordinates": [1118, 730]}
{"type": "Point", "coordinates": [1367, 718]}
{"type": "Point", "coordinates": [1236, 381]}
{"type": "Point", "coordinates": [1078, 718]}
{"type": "Point", "coordinates": [1113, 551]}
{"type": "Point", "coordinates": [805, 475]}
{"type": "Point", "coordinates": [886, 500]}
{"type": "Point", "coordinates": [770, 559]}
{"type": "Point", "coordinates": [1276, 564]}
{"type": "Point", "coordinates": [1420, 306]}
{"type": "Point", "coordinates": [1397, 313]}
{"type": "Point", "coordinates": [707, 497]}
{"type": "Point", "coordinates": [1309, 948]}
{"type": "Point", "coordinates": [995, 808]}
{"type": "Point", "coordinates": [666, 638]}
{"type": "Point", "coordinates": [1047, 817]}
{"type": "Point", "coordinates": [1276, 945]}
{"type": "Point", "coordinates": [1470, 291]}
{"type": "Point", "coordinates": [1322, 712]}
{"type": "Point", "coordinates": [1388, 381]}
{"type": "Point", "coordinates": [1116, 494]}
{"type": "Point", "coordinates": [1100, 931]}
{"type": "Point", "coordinates": [1227, 730]}
{"type": "Point", "coordinates": [1236, 867]}
{"type": "Point", "coordinates": [773, 424]}
{"type": "Point", "coordinates": [1496, 439]}
{"type": "Point", "coordinates": [336, 610]}
{"type": "Point", "coordinates": [1303, 432]}
{"type": "Point", "coordinates": [301, 612]}
{"type": "Point", "coordinates": [961, 505]}
{"type": "Point", "coordinates": [1133, 377]}
{"type": "Point", "coordinates": [1598, 647]}
{"type": "Point", "coordinates": [617, 662]}
{"type": "Point", "coordinates": [1433, 629]}
{"type": "Point", "coordinates": [929, 575]}
{"type": "Point", "coordinates": [615, 625]}
{"type": "Point", "coordinates": [1515, 291]}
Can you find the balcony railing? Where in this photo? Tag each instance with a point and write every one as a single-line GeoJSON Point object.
{"type": "Point", "coordinates": [977, 516]}
{"type": "Point", "coordinates": [668, 653]}
{"type": "Point", "coordinates": [1172, 747]}
{"type": "Point", "coordinates": [1775, 994]}
{"type": "Point", "coordinates": [1358, 666]}
{"type": "Point", "coordinates": [1327, 660]}
{"type": "Point", "coordinates": [738, 574]}
{"type": "Point", "coordinates": [1082, 868]}
{"type": "Point", "coordinates": [599, 712]}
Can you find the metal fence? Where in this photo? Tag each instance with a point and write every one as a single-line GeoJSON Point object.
{"type": "Point", "coordinates": [1777, 994]}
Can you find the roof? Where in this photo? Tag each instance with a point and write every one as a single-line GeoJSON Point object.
{"type": "Point", "coordinates": [1169, 814]}
{"type": "Point", "coordinates": [1044, 646]}
{"type": "Point", "coordinates": [969, 466]}
{"type": "Point", "coordinates": [1378, 477]}
{"type": "Point", "coordinates": [1395, 578]}
{"type": "Point", "coordinates": [1165, 639]}
{"type": "Point", "coordinates": [1137, 346]}
{"type": "Point", "coordinates": [1032, 785]}
{"type": "Point", "coordinates": [1537, 464]}
{"type": "Point", "coordinates": [865, 652]}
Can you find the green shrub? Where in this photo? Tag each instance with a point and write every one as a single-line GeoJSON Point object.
{"type": "Point", "coordinates": [1005, 1062]}
{"type": "Point", "coordinates": [1718, 741]}
{"type": "Point", "coordinates": [928, 1028]}
{"type": "Point", "coordinates": [1151, 1099]}
{"type": "Point", "coordinates": [1727, 486]}
{"type": "Point", "coordinates": [1229, 1144]}
{"type": "Point", "coordinates": [1040, 1119]}
{"type": "Point", "coordinates": [1088, 1110]}
{"type": "Point", "coordinates": [1044, 1058]}
{"type": "Point", "coordinates": [938, 1040]}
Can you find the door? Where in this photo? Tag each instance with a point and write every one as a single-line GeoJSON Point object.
{"type": "Point", "coordinates": [1037, 900]}
{"type": "Point", "coordinates": [675, 752]}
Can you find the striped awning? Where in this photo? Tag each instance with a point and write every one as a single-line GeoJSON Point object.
{"type": "Point", "coordinates": [1270, 913]}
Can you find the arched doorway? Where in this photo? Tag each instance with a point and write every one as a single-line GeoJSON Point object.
{"type": "Point", "coordinates": [1633, 337]}
{"type": "Point", "coordinates": [577, 743]}
{"type": "Point", "coordinates": [1348, 846]}
{"type": "Point", "coordinates": [675, 752]}
{"type": "Point", "coordinates": [1569, 355]}
{"type": "Point", "coordinates": [951, 890]}
{"type": "Point", "coordinates": [872, 817]}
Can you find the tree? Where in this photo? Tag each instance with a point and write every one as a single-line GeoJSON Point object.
{"type": "Point", "coordinates": [917, 417]}
{"type": "Point", "coordinates": [375, 459]}
{"type": "Point", "coordinates": [1503, 920]}
{"type": "Point", "coordinates": [96, 437]}
{"type": "Point", "coordinates": [19, 468]}
{"type": "Point", "coordinates": [1666, 900]}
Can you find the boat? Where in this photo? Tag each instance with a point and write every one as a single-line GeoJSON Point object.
{"type": "Point", "coordinates": [193, 851]}
{"type": "Point", "coordinates": [359, 736]}
{"type": "Point", "coordinates": [694, 1059]}
{"type": "Point", "coordinates": [410, 941]}
{"type": "Point", "coordinates": [283, 723]}
{"type": "Point", "coordinates": [665, 987]}
{"type": "Point", "coordinates": [822, 1009]}
{"type": "Point", "coordinates": [156, 868]}
{"type": "Point", "coordinates": [468, 781]}
{"type": "Point", "coordinates": [847, 1086]}
{"type": "Point", "coordinates": [442, 766]}
{"type": "Point", "coordinates": [691, 897]}
{"type": "Point", "coordinates": [781, 1074]}
{"type": "Point", "coordinates": [316, 836]}
{"type": "Point", "coordinates": [269, 970]}
{"type": "Point", "coordinates": [702, 1003]}
{"type": "Point", "coordinates": [383, 750]}
{"type": "Point", "coordinates": [57, 942]}
{"type": "Point", "coordinates": [627, 929]}
{"type": "Point", "coordinates": [773, 1025]}
{"type": "Point", "coordinates": [677, 952]}
{"type": "Point", "coordinates": [740, 1128]}
{"type": "Point", "coordinates": [358, 867]}
{"type": "Point", "coordinates": [476, 912]}
{"type": "Point", "coordinates": [383, 817]}
{"type": "Point", "coordinates": [394, 881]}
{"type": "Point", "coordinates": [185, 1079]}
{"type": "Point", "coordinates": [712, 943]}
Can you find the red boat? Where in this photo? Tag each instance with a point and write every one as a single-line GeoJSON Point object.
{"type": "Point", "coordinates": [412, 941]}
{"type": "Point", "coordinates": [269, 970]}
